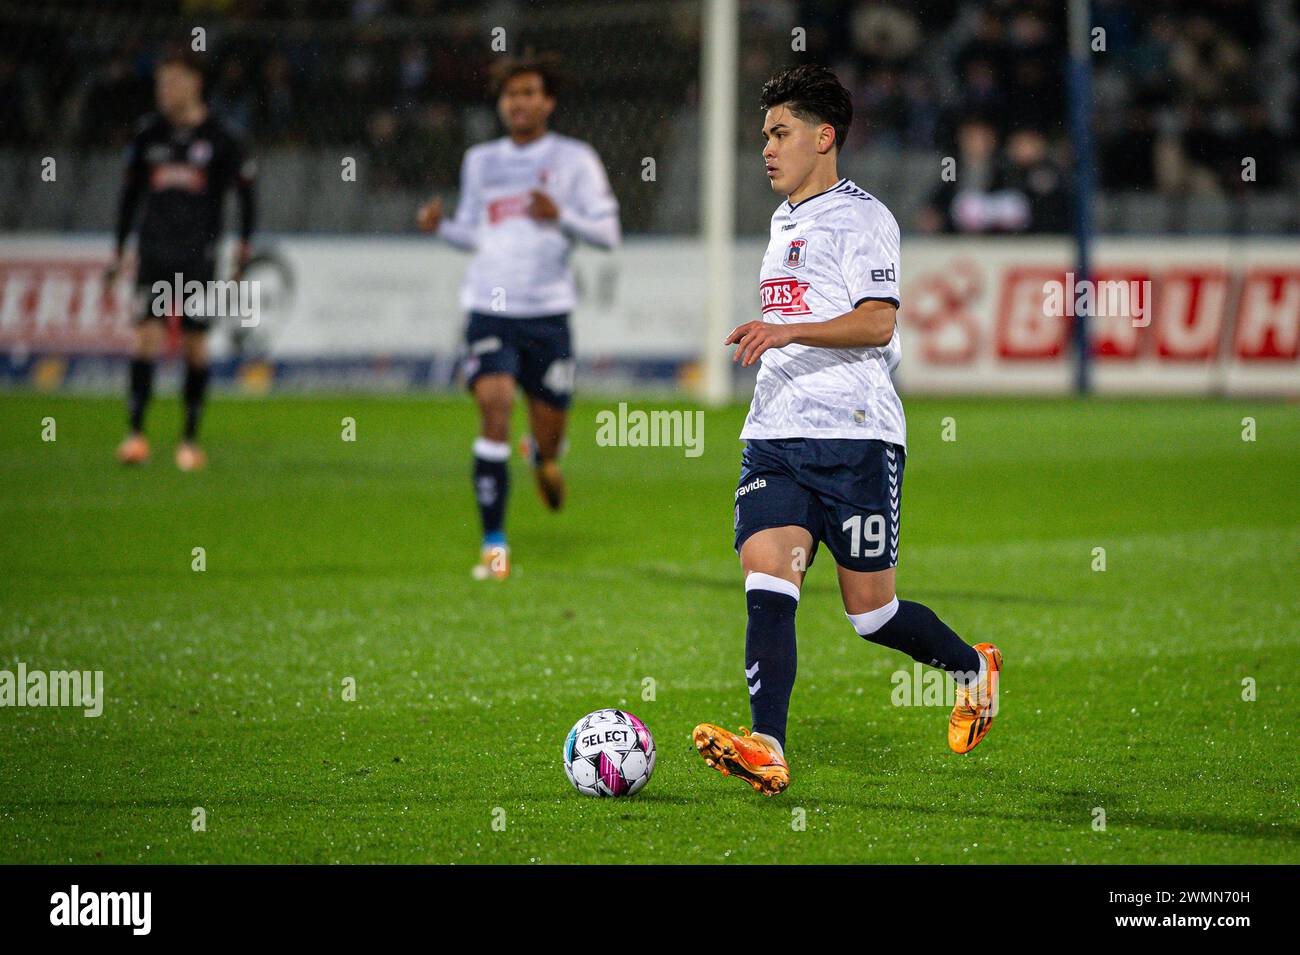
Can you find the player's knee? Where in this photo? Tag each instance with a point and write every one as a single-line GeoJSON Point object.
{"type": "Point", "coordinates": [872, 621]}
{"type": "Point", "coordinates": [148, 340]}
{"type": "Point", "coordinates": [196, 352]}
{"type": "Point", "coordinates": [495, 400]}
{"type": "Point", "coordinates": [769, 562]}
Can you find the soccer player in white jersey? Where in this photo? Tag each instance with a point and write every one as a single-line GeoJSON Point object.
{"type": "Point", "coordinates": [525, 200]}
{"type": "Point", "coordinates": [825, 436]}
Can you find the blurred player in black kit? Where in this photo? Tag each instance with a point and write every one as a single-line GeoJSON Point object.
{"type": "Point", "coordinates": [180, 165]}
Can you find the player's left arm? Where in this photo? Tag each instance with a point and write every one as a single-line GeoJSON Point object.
{"type": "Point", "coordinates": [589, 212]}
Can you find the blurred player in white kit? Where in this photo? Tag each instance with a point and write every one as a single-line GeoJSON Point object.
{"type": "Point", "coordinates": [525, 200]}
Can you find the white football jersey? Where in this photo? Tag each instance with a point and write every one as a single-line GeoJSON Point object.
{"type": "Point", "coordinates": [826, 255]}
{"type": "Point", "coordinates": [521, 267]}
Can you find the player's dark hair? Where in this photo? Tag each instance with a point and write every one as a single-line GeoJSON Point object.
{"type": "Point", "coordinates": [814, 94]}
{"type": "Point", "coordinates": [545, 65]}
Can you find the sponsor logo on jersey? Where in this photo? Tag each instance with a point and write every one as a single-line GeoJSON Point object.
{"type": "Point", "coordinates": [784, 296]}
{"type": "Point", "coordinates": [511, 207]}
{"type": "Point", "coordinates": [753, 485]}
{"type": "Point", "coordinates": [795, 253]}
{"type": "Point", "coordinates": [177, 175]}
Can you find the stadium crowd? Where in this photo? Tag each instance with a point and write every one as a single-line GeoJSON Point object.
{"type": "Point", "coordinates": [1183, 89]}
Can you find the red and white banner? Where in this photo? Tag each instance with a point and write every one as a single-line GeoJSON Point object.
{"type": "Point", "coordinates": [977, 315]}
{"type": "Point", "coordinates": [1209, 316]}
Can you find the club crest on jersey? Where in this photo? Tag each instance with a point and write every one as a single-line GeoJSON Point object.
{"type": "Point", "coordinates": [200, 152]}
{"type": "Point", "coordinates": [784, 295]}
{"type": "Point", "coordinates": [795, 253]}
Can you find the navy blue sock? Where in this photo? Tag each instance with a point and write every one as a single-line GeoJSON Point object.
{"type": "Point", "coordinates": [916, 630]}
{"type": "Point", "coordinates": [195, 390]}
{"type": "Point", "coordinates": [770, 659]}
{"type": "Point", "coordinates": [139, 392]}
{"type": "Point", "coordinates": [491, 487]}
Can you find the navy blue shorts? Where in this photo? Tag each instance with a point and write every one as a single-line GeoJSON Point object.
{"type": "Point", "coordinates": [844, 492]}
{"type": "Point", "coordinates": [536, 352]}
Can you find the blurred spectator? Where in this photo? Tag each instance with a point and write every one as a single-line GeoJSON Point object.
{"type": "Point", "coordinates": [413, 72]}
{"type": "Point", "coordinates": [1018, 190]}
{"type": "Point", "coordinates": [116, 99]}
{"type": "Point", "coordinates": [1128, 157]}
{"type": "Point", "coordinates": [277, 103]}
{"type": "Point", "coordinates": [17, 109]}
{"type": "Point", "coordinates": [974, 175]}
{"type": "Point", "coordinates": [885, 33]}
{"type": "Point", "coordinates": [1031, 172]}
{"type": "Point", "coordinates": [231, 96]}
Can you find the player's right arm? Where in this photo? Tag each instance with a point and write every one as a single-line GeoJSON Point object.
{"type": "Point", "coordinates": [869, 262]}
{"type": "Point", "coordinates": [462, 229]}
{"type": "Point", "coordinates": [133, 184]}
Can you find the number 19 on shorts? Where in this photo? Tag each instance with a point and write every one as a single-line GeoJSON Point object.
{"type": "Point", "coordinates": [866, 537]}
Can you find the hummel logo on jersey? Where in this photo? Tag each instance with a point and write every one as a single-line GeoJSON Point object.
{"type": "Point", "coordinates": [784, 295]}
{"type": "Point", "coordinates": [794, 255]}
{"type": "Point", "coordinates": [788, 226]}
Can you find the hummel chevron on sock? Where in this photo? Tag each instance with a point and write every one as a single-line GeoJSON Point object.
{"type": "Point", "coordinates": [770, 659]}
{"type": "Point", "coordinates": [917, 631]}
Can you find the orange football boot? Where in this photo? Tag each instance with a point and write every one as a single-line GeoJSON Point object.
{"type": "Point", "coordinates": [190, 457]}
{"type": "Point", "coordinates": [550, 483]}
{"type": "Point", "coordinates": [743, 755]}
{"type": "Point", "coordinates": [133, 450]}
{"type": "Point", "coordinates": [493, 564]}
{"type": "Point", "coordinates": [550, 480]}
{"type": "Point", "coordinates": [977, 705]}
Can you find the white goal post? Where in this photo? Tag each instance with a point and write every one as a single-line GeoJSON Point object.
{"type": "Point", "coordinates": [718, 197]}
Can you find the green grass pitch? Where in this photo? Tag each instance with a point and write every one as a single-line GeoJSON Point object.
{"type": "Point", "coordinates": [328, 560]}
